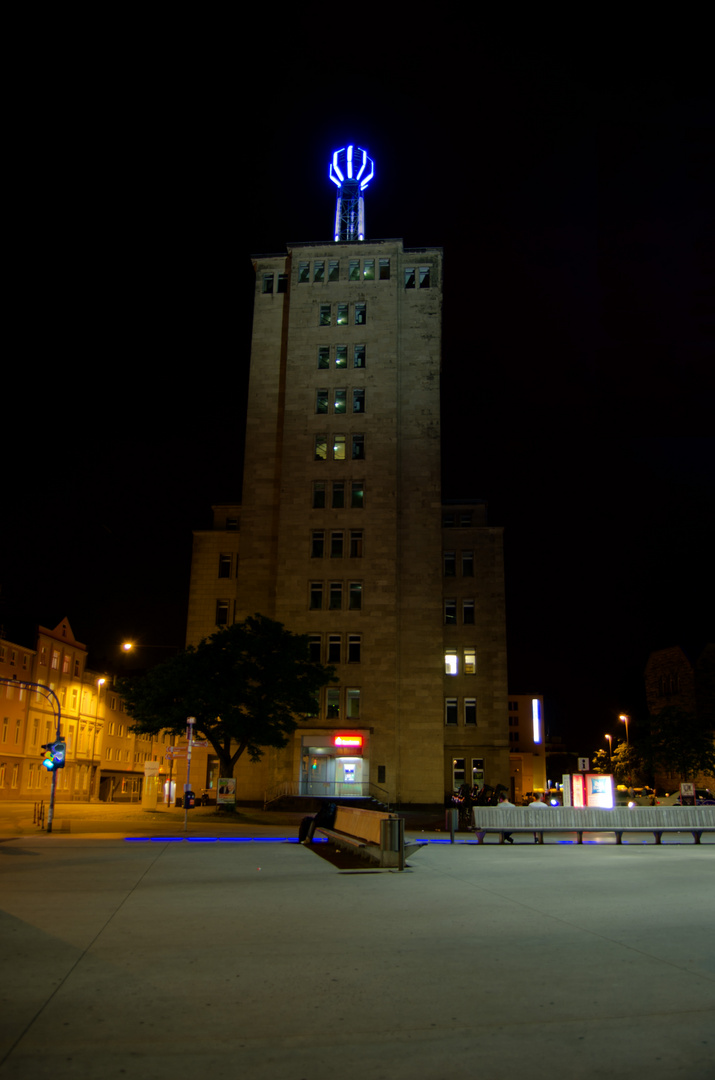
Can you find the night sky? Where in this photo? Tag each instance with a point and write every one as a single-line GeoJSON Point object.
{"type": "Point", "coordinates": [574, 206]}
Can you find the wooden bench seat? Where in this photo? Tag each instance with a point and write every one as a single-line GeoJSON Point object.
{"type": "Point", "coordinates": [580, 819]}
{"type": "Point", "coordinates": [365, 832]}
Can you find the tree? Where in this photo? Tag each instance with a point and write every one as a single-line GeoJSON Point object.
{"type": "Point", "coordinates": [600, 762]}
{"type": "Point", "coordinates": [627, 764]}
{"type": "Point", "coordinates": [682, 742]}
{"type": "Point", "coordinates": [248, 686]}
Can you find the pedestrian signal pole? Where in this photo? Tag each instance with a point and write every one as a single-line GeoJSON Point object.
{"type": "Point", "coordinates": [56, 751]}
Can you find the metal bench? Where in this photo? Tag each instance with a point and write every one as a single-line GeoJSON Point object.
{"type": "Point", "coordinates": [580, 819]}
{"type": "Point", "coordinates": [377, 836]}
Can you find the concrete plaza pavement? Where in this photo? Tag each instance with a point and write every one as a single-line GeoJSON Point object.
{"type": "Point", "coordinates": [168, 958]}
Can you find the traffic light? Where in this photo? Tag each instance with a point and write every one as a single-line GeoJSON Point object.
{"type": "Point", "coordinates": [55, 756]}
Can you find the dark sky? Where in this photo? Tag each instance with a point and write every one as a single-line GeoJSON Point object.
{"type": "Point", "coordinates": [574, 205]}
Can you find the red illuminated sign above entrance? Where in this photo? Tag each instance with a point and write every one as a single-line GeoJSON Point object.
{"type": "Point", "coordinates": [347, 740]}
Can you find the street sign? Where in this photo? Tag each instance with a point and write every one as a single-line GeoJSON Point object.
{"type": "Point", "coordinates": [583, 764]}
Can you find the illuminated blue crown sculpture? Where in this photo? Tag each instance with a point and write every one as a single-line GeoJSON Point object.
{"type": "Point", "coordinates": [351, 170]}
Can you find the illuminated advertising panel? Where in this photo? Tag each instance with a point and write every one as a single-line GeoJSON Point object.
{"type": "Point", "coordinates": [578, 790]}
{"type": "Point", "coordinates": [599, 791]}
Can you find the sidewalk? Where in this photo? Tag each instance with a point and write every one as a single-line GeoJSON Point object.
{"type": "Point", "coordinates": [159, 959]}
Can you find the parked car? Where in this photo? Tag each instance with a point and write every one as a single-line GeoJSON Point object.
{"type": "Point", "coordinates": [703, 797]}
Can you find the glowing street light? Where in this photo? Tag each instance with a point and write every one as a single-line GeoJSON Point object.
{"type": "Point", "coordinates": [625, 720]}
{"type": "Point", "coordinates": [610, 746]}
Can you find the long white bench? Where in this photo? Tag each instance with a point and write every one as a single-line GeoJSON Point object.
{"type": "Point", "coordinates": [580, 819]}
{"type": "Point", "coordinates": [371, 834]}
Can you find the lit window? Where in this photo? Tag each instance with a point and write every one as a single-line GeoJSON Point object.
{"type": "Point", "coordinates": [353, 704]}
{"type": "Point", "coordinates": [360, 314]}
{"type": "Point", "coordinates": [341, 356]}
{"type": "Point", "coordinates": [451, 663]}
{"type": "Point", "coordinates": [333, 270]}
{"type": "Point", "coordinates": [317, 544]}
{"type": "Point", "coordinates": [340, 401]}
{"type": "Point", "coordinates": [409, 277]}
{"type": "Point", "coordinates": [342, 314]}
{"type": "Point", "coordinates": [358, 447]}
{"type": "Point", "coordinates": [358, 401]}
{"type": "Point", "coordinates": [338, 495]}
{"type": "Point", "coordinates": [368, 270]}
{"type": "Point", "coordinates": [321, 401]}
{"type": "Point", "coordinates": [355, 603]}
{"type": "Point", "coordinates": [336, 595]}
{"type": "Point", "coordinates": [321, 448]}
{"type": "Point", "coordinates": [384, 269]}
{"type": "Point", "coordinates": [333, 704]}
{"type": "Point", "coordinates": [356, 544]}
{"type": "Point", "coordinates": [354, 273]}
{"type": "Point", "coordinates": [221, 612]}
{"type": "Point", "coordinates": [450, 711]}
{"type": "Point", "coordinates": [359, 356]}
{"type": "Point", "coordinates": [467, 564]}
{"type": "Point", "coordinates": [336, 545]}
{"type": "Point", "coordinates": [470, 662]}
{"type": "Point", "coordinates": [449, 564]}
{"type": "Point", "coordinates": [468, 612]}
{"type": "Point", "coordinates": [470, 710]}
{"type": "Point", "coordinates": [324, 317]}
{"type": "Point", "coordinates": [316, 595]}
{"type": "Point", "coordinates": [303, 272]}
{"type": "Point", "coordinates": [354, 643]}
{"type": "Point", "coordinates": [339, 448]}
{"type": "Point", "coordinates": [323, 357]}
{"type": "Point", "coordinates": [268, 283]}
{"type": "Point", "coordinates": [357, 497]}
{"type": "Point", "coordinates": [424, 277]}
{"type": "Point", "coordinates": [318, 494]}
{"type": "Point", "coordinates": [55, 660]}
{"type": "Point", "coordinates": [459, 772]}
{"type": "Point", "coordinates": [319, 271]}
{"type": "Point", "coordinates": [333, 648]}
{"type": "Point", "coordinates": [224, 566]}
{"type": "Point", "coordinates": [450, 612]}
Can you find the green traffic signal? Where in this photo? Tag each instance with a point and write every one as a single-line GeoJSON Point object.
{"type": "Point", "coordinates": [55, 756]}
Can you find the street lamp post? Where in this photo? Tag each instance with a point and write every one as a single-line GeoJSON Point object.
{"type": "Point", "coordinates": [100, 684]}
{"type": "Point", "coordinates": [610, 749]}
{"type": "Point", "coordinates": [625, 720]}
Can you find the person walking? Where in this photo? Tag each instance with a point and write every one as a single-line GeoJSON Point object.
{"type": "Point", "coordinates": [541, 802]}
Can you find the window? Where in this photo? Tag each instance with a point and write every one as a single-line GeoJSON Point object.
{"type": "Point", "coordinates": [282, 283]}
{"type": "Point", "coordinates": [333, 648]}
{"type": "Point", "coordinates": [368, 270]}
{"type": "Point", "coordinates": [333, 270]}
{"type": "Point", "coordinates": [340, 401]}
{"type": "Point", "coordinates": [318, 494]}
{"type": "Point", "coordinates": [321, 448]}
{"type": "Point", "coordinates": [338, 448]}
{"type": "Point", "coordinates": [477, 771]}
{"type": "Point", "coordinates": [465, 520]}
{"type": "Point", "coordinates": [303, 272]}
{"type": "Point", "coordinates": [354, 270]}
{"type": "Point", "coordinates": [470, 662]}
{"type": "Point", "coordinates": [424, 277]}
{"type": "Point", "coordinates": [321, 401]}
{"type": "Point", "coordinates": [76, 669]}
{"type": "Point", "coordinates": [468, 612]}
{"type": "Point", "coordinates": [409, 277]}
{"type": "Point", "coordinates": [338, 495]}
{"type": "Point", "coordinates": [224, 566]}
{"type": "Point", "coordinates": [450, 612]}
{"type": "Point", "coordinates": [470, 711]}
{"type": "Point", "coordinates": [231, 524]}
{"type": "Point", "coordinates": [221, 612]}
{"type": "Point", "coordinates": [355, 602]}
{"type": "Point", "coordinates": [354, 643]}
{"type": "Point", "coordinates": [317, 544]}
{"type": "Point", "coordinates": [318, 271]}
{"type": "Point", "coordinates": [268, 283]}
{"type": "Point", "coordinates": [447, 521]}
{"type": "Point", "coordinates": [324, 316]}
{"type": "Point", "coordinates": [336, 545]}
{"type": "Point", "coordinates": [358, 401]}
{"type": "Point", "coordinates": [360, 314]}
{"type": "Point", "coordinates": [384, 269]}
{"type": "Point", "coordinates": [467, 564]}
{"type": "Point", "coordinates": [459, 771]}
{"type": "Point", "coordinates": [323, 357]}
{"type": "Point", "coordinates": [356, 543]}
{"type": "Point", "coordinates": [341, 356]}
{"type": "Point", "coordinates": [342, 314]}
{"type": "Point", "coordinates": [451, 663]}
{"type": "Point", "coordinates": [450, 566]}
{"type": "Point", "coordinates": [55, 660]}
{"type": "Point", "coordinates": [358, 356]}
{"type": "Point", "coordinates": [357, 497]}
{"type": "Point", "coordinates": [358, 447]}
{"type": "Point", "coordinates": [333, 704]}
{"type": "Point", "coordinates": [353, 704]}
{"type": "Point", "coordinates": [316, 595]}
{"type": "Point", "coordinates": [336, 596]}
{"type": "Point", "coordinates": [450, 711]}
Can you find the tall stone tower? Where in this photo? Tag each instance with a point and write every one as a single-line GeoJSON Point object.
{"type": "Point", "coordinates": [340, 524]}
